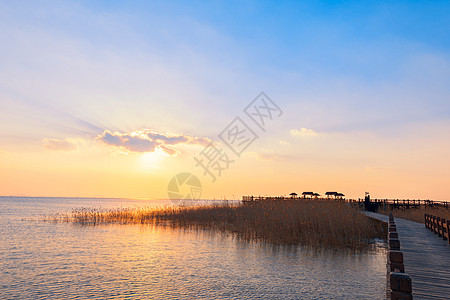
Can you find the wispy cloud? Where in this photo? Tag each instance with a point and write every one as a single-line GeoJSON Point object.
{"type": "Point", "coordinates": [146, 140]}
{"type": "Point", "coordinates": [303, 132]}
{"type": "Point", "coordinates": [59, 145]}
{"type": "Point", "coordinates": [270, 156]}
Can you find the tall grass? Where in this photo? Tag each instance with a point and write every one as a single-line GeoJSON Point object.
{"type": "Point", "coordinates": [308, 222]}
{"type": "Point", "coordinates": [417, 214]}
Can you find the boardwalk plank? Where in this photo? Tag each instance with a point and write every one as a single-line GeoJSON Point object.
{"type": "Point", "coordinates": [426, 257]}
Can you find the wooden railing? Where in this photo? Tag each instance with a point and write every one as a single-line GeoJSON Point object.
{"type": "Point", "coordinates": [439, 226]}
{"type": "Point", "coordinates": [264, 198]}
{"type": "Point", "coordinates": [270, 198]}
{"type": "Point", "coordinates": [406, 202]}
{"type": "Point", "coordinates": [394, 203]}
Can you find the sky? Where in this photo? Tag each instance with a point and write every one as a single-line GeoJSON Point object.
{"type": "Point", "coordinates": [115, 98]}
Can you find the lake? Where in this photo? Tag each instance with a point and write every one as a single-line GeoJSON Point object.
{"type": "Point", "coordinates": [59, 260]}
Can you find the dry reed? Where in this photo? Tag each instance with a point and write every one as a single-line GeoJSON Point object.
{"type": "Point", "coordinates": [417, 214]}
{"type": "Point", "coordinates": [328, 224]}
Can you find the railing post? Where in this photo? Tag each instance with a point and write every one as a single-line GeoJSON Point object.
{"type": "Point", "coordinates": [444, 229]}
{"type": "Point", "coordinates": [448, 231]}
{"type": "Point", "coordinates": [438, 225]}
{"type": "Point", "coordinates": [438, 219]}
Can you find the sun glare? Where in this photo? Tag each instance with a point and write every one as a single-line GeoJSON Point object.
{"type": "Point", "coordinates": [151, 161]}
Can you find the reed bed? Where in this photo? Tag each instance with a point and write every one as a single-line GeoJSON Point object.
{"type": "Point", "coordinates": [417, 214]}
{"type": "Point", "coordinates": [314, 223]}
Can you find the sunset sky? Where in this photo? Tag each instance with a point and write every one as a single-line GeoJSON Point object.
{"type": "Point", "coordinates": [114, 98]}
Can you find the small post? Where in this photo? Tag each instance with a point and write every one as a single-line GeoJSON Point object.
{"type": "Point", "coordinates": [401, 285]}
{"type": "Point", "coordinates": [393, 235]}
{"type": "Point", "coordinates": [397, 267]}
{"type": "Point", "coordinates": [395, 256]}
{"type": "Point", "coordinates": [394, 244]}
{"type": "Point", "coordinates": [396, 261]}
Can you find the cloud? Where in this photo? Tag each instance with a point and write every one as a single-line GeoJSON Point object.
{"type": "Point", "coordinates": [145, 140]}
{"type": "Point", "coordinates": [303, 132]}
{"type": "Point", "coordinates": [131, 142]}
{"type": "Point", "coordinates": [168, 150]}
{"type": "Point", "coordinates": [59, 145]}
{"type": "Point", "coordinates": [270, 156]}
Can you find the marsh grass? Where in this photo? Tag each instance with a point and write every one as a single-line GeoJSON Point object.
{"type": "Point", "coordinates": [313, 223]}
{"type": "Point", "coordinates": [417, 214]}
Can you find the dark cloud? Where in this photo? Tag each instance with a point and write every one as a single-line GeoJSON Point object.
{"type": "Point", "coordinates": [111, 139]}
{"type": "Point", "coordinates": [148, 141]}
{"type": "Point", "coordinates": [169, 140]}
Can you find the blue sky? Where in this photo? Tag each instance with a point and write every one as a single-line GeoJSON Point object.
{"type": "Point", "coordinates": [75, 69]}
{"type": "Point", "coordinates": [288, 47]}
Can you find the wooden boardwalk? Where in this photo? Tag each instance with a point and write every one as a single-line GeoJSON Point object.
{"type": "Point", "coordinates": [426, 258]}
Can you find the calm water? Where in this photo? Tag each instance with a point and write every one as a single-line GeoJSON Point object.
{"type": "Point", "coordinates": [43, 260]}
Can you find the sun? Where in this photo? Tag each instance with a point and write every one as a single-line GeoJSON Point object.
{"type": "Point", "coordinates": [150, 161]}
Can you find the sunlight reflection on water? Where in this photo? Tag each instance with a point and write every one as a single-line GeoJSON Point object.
{"type": "Point", "coordinates": [45, 260]}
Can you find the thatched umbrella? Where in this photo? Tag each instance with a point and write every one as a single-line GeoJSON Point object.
{"type": "Point", "coordinates": [328, 194]}
{"type": "Point", "coordinates": [311, 194]}
{"type": "Point", "coordinates": [340, 195]}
